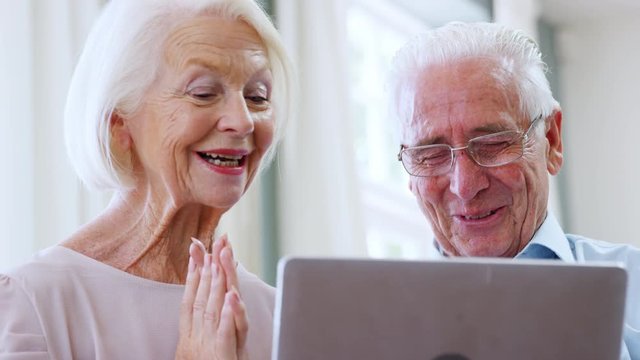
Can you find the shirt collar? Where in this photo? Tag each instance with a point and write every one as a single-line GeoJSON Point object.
{"type": "Point", "coordinates": [549, 237]}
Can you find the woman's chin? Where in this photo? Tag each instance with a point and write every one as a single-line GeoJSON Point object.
{"type": "Point", "coordinates": [222, 201]}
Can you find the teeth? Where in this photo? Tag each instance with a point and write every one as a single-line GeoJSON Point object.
{"type": "Point", "coordinates": [222, 160]}
{"type": "Point", "coordinates": [478, 217]}
{"type": "Point", "coordinates": [230, 157]}
{"type": "Point", "coordinates": [219, 162]}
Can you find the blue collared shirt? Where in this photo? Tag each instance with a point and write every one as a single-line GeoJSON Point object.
{"type": "Point", "coordinates": [550, 242]}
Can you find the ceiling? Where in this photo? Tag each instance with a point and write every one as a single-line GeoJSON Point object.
{"type": "Point", "coordinates": [567, 11]}
{"type": "Point", "coordinates": [438, 12]}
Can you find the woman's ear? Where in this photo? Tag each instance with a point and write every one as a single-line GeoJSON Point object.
{"type": "Point", "coordinates": [553, 134]}
{"type": "Point", "coordinates": [121, 143]}
{"type": "Point", "coordinates": [120, 134]}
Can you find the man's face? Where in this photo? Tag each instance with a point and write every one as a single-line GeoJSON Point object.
{"type": "Point", "coordinates": [474, 210]}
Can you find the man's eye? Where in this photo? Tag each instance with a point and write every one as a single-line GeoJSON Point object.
{"type": "Point", "coordinates": [494, 145]}
{"type": "Point", "coordinates": [257, 99]}
{"type": "Point", "coordinates": [432, 156]}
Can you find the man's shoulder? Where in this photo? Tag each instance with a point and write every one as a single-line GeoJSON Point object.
{"type": "Point", "coordinates": [587, 249]}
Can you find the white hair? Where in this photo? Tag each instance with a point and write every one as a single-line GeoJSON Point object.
{"type": "Point", "coordinates": [516, 53]}
{"type": "Point", "coordinates": [121, 59]}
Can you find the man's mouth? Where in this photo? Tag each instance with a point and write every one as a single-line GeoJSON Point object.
{"type": "Point", "coordinates": [223, 160]}
{"type": "Point", "coordinates": [480, 216]}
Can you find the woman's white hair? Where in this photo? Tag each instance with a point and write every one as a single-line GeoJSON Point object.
{"type": "Point", "coordinates": [518, 55]}
{"type": "Point", "coordinates": [120, 60]}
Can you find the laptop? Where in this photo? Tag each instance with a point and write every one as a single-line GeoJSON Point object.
{"type": "Point", "coordinates": [452, 309]}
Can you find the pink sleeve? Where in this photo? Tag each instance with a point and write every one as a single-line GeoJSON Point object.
{"type": "Point", "coordinates": [21, 336]}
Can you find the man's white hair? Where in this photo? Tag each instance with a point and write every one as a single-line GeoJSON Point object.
{"type": "Point", "coordinates": [516, 53]}
{"type": "Point", "coordinates": [121, 59]}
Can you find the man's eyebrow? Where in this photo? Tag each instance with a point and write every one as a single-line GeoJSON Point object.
{"type": "Point", "coordinates": [478, 131]}
{"type": "Point", "coordinates": [432, 141]}
{"type": "Point", "coordinates": [491, 128]}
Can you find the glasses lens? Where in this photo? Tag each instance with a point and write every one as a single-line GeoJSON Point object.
{"type": "Point", "coordinates": [428, 160]}
{"type": "Point", "coordinates": [496, 149]}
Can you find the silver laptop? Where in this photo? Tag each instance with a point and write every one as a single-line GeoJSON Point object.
{"type": "Point", "coordinates": [334, 309]}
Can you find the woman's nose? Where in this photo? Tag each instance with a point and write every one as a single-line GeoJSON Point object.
{"type": "Point", "coordinates": [235, 117]}
{"type": "Point", "coordinates": [466, 178]}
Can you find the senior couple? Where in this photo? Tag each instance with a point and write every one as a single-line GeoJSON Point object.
{"type": "Point", "coordinates": [176, 105]}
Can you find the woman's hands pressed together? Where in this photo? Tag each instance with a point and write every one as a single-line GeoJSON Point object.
{"type": "Point", "coordinates": [213, 319]}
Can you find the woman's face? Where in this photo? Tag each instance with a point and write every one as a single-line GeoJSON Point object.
{"type": "Point", "coordinates": [207, 120]}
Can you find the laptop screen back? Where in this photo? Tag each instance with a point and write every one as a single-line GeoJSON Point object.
{"type": "Point", "coordinates": [454, 309]}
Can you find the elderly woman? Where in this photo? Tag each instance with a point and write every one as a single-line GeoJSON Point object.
{"type": "Point", "coordinates": [174, 105]}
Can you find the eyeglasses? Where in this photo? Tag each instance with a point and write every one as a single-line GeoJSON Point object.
{"type": "Point", "coordinates": [488, 151]}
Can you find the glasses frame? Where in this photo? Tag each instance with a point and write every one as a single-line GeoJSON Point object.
{"type": "Point", "coordinates": [524, 136]}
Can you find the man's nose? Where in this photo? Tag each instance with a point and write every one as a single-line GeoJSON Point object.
{"type": "Point", "coordinates": [235, 116]}
{"type": "Point", "coordinates": [466, 178]}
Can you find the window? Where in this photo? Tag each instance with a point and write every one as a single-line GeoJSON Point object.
{"type": "Point", "coordinates": [395, 226]}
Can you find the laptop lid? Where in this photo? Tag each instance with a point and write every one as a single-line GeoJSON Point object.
{"type": "Point", "coordinates": [452, 309]}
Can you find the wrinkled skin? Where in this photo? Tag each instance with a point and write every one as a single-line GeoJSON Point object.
{"type": "Point", "coordinates": [213, 319]}
{"type": "Point", "coordinates": [473, 210]}
{"type": "Point", "coordinates": [193, 145]}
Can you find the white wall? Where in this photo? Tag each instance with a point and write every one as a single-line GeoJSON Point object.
{"type": "Point", "coordinates": [524, 14]}
{"type": "Point", "coordinates": [599, 69]}
{"type": "Point", "coordinates": [599, 62]}
{"type": "Point", "coordinates": [16, 145]}
{"type": "Point", "coordinates": [42, 202]}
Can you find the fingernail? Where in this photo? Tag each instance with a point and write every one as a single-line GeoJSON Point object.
{"type": "Point", "coordinates": [224, 239]}
{"type": "Point", "coordinates": [226, 253]}
{"type": "Point", "coordinates": [199, 244]}
{"type": "Point", "coordinates": [235, 294]}
{"type": "Point", "coordinates": [231, 253]}
{"type": "Point", "coordinates": [192, 264]}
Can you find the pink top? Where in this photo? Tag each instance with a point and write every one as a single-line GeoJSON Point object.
{"type": "Point", "coordinates": [64, 305]}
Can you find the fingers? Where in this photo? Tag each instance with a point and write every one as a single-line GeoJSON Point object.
{"type": "Point", "coordinates": [202, 296]}
{"type": "Point", "coordinates": [191, 287]}
{"type": "Point", "coordinates": [228, 264]}
{"type": "Point", "coordinates": [234, 326]}
{"type": "Point", "coordinates": [215, 301]}
{"type": "Point", "coordinates": [217, 247]}
{"type": "Point", "coordinates": [240, 318]}
{"type": "Point", "coordinates": [213, 318]}
{"type": "Point", "coordinates": [224, 278]}
{"type": "Point", "coordinates": [197, 251]}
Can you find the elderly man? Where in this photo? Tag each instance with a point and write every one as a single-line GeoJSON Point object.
{"type": "Point", "coordinates": [480, 132]}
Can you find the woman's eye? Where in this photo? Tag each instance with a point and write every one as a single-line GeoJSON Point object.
{"type": "Point", "coordinates": [258, 94]}
{"type": "Point", "coordinates": [202, 93]}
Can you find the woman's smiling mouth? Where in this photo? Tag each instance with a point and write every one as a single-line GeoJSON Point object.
{"type": "Point", "coordinates": [223, 160]}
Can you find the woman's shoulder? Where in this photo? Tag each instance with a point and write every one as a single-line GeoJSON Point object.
{"type": "Point", "coordinates": [43, 266]}
{"type": "Point", "coordinates": [254, 289]}
{"type": "Point", "coordinates": [252, 281]}
{"type": "Point", "coordinates": [49, 271]}
{"type": "Point", "coordinates": [24, 289]}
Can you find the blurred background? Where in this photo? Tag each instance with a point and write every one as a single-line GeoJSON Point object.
{"type": "Point", "coordinates": [336, 187]}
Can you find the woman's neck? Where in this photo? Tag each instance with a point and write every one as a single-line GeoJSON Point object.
{"type": "Point", "coordinates": [146, 238]}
